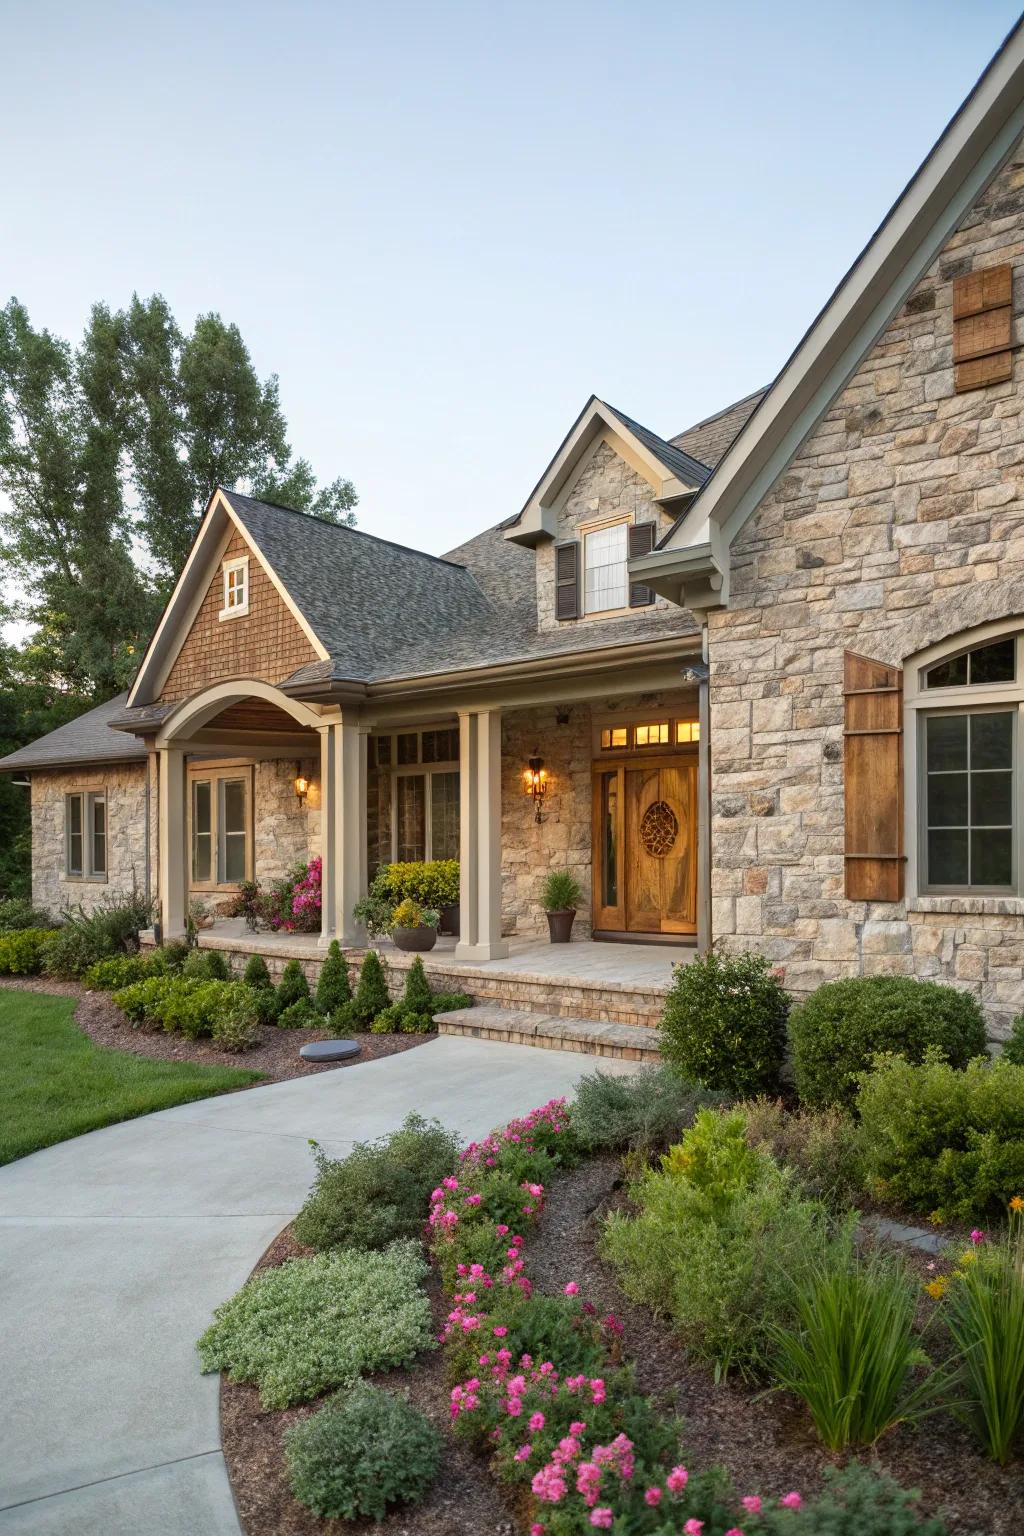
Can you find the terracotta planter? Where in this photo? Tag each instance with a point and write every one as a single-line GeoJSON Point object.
{"type": "Point", "coordinates": [415, 940]}
{"type": "Point", "coordinates": [450, 919]}
{"type": "Point", "coordinates": [560, 925]}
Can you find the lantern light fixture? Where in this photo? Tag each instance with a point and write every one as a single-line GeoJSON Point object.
{"type": "Point", "coordinates": [535, 781]}
{"type": "Point", "coordinates": [301, 787]}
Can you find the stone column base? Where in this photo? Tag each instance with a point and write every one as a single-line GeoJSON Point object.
{"type": "Point", "coordinates": [497, 950]}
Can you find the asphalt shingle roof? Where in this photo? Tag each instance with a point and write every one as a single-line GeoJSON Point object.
{"type": "Point", "coordinates": [88, 739]}
{"type": "Point", "coordinates": [709, 439]}
{"type": "Point", "coordinates": [682, 464]}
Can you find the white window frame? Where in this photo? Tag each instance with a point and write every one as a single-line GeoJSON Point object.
{"type": "Point", "coordinates": [232, 608]}
{"type": "Point", "coordinates": [920, 702]}
{"type": "Point", "coordinates": [89, 799]}
{"type": "Point", "coordinates": [623, 519]}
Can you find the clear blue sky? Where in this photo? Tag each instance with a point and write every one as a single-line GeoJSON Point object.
{"type": "Point", "coordinates": [444, 225]}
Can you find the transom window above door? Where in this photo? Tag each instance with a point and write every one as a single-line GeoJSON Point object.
{"type": "Point", "coordinates": [220, 828]}
{"type": "Point", "coordinates": [645, 735]}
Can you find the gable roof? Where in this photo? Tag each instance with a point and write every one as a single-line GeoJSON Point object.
{"type": "Point", "coordinates": [692, 562]}
{"type": "Point", "coordinates": [690, 470]}
{"type": "Point", "coordinates": [708, 440]}
{"type": "Point", "coordinates": [86, 739]}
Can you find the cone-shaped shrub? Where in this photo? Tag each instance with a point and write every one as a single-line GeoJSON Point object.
{"type": "Point", "coordinates": [417, 997]}
{"type": "Point", "coordinates": [293, 986]}
{"type": "Point", "coordinates": [372, 992]}
{"type": "Point", "coordinates": [333, 990]}
{"type": "Point", "coordinates": [256, 974]}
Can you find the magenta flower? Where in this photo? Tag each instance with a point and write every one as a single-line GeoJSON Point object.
{"type": "Point", "coordinates": [536, 1421]}
{"type": "Point", "coordinates": [653, 1497]}
{"type": "Point", "coordinates": [791, 1501]}
{"type": "Point", "coordinates": [752, 1504]}
{"type": "Point", "coordinates": [524, 1453]}
{"type": "Point", "coordinates": [677, 1480]}
{"type": "Point", "coordinates": [977, 1237]}
{"type": "Point", "coordinates": [602, 1517]}
{"type": "Point", "coordinates": [693, 1527]}
{"type": "Point", "coordinates": [572, 1288]}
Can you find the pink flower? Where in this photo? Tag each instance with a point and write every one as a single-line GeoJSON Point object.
{"type": "Point", "coordinates": [693, 1527]}
{"type": "Point", "coordinates": [549, 1484]}
{"type": "Point", "coordinates": [653, 1497]}
{"type": "Point", "coordinates": [577, 1427]}
{"type": "Point", "coordinates": [752, 1504]}
{"type": "Point", "coordinates": [602, 1517]}
{"type": "Point", "coordinates": [536, 1529]}
{"type": "Point", "coordinates": [524, 1453]}
{"type": "Point", "coordinates": [977, 1237]}
{"type": "Point", "coordinates": [501, 1229]}
{"type": "Point", "coordinates": [791, 1501]}
{"type": "Point", "coordinates": [734, 1530]}
{"type": "Point", "coordinates": [499, 1332]}
{"type": "Point", "coordinates": [571, 1288]}
{"type": "Point", "coordinates": [677, 1479]}
{"type": "Point", "coordinates": [536, 1421]}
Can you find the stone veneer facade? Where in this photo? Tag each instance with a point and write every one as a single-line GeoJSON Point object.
{"type": "Point", "coordinates": [899, 523]}
{"type": "Point", "coordinates": [125, 788]}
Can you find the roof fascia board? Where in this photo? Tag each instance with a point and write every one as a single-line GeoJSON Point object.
{"type": "Point", "coordinates": [957, 170]}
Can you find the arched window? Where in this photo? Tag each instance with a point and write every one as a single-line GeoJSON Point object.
{"type": "Point", "coordinates": [965, 734]}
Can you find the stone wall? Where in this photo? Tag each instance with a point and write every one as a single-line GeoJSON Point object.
{"type": "Point", "coordinates": [286, 832]}
{"type": "Point", "coordinates": [125, 788]}
{"type": "Point", "coordinates": [900, 521]}
{"type": "Point", "coordinates": [605, 487]}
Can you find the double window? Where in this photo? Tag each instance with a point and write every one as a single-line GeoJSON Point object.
{"type": "Point", "coordinates": [85, 834]}
{"type": "Point", "coordinates": [968, 746]}
{"type": "Point", "coordinates": [423, 766]}
{"type": "Point", "coordinates": [219, 828]}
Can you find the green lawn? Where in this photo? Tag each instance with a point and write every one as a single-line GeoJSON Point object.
{"type": "Point", "coordinates": [55, 1083]}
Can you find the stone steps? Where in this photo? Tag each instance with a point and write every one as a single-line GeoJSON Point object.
{"type": "Point", "coordinates": [524, 1026]}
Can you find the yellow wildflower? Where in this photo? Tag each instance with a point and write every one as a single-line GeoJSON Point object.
{"type": "Point", "coordinates": [1017, 1203]}
{"type": "Point", "coordinates": [969, 1256]}
{"type": "Point", "coordinates": [936, 1218]}
{"type": "Point", "coordinates": [937, 1287]}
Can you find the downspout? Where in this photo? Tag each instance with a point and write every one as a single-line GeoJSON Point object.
{"type": "Point", "coordinates": [147, 857]}
{"type": "Point", "coordinates": [705, 938]}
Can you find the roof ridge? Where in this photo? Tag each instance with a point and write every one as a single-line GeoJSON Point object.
{"type": "Point", "coordinates": [279, 506]}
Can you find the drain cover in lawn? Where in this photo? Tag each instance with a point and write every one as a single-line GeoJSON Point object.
{"type": "Point", "coordinates": [330, 1050]}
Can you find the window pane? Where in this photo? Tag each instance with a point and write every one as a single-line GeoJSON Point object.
{"type": "Point", "coordinates": [609, 816]}
{"type": "Point", "coordinates": [991, 800]}
{"type": "Point", "coordinates": [992, 740]}
{"type": "Point", "coordinates": [201, 829]}
{"type": "Point", "coordinates": [948, 674]}
{"type": "Point", "coordinates": [652, 735]}
{"type": "Point", "coordinates": [234, 805]}
{"type": "Point", "coordinates": [993, 663]}
{"type": "Point", "coordinates": [947, 858]}
{"type": "Point", "coordinates": [614, 736]}
{"type": "Point", "coordinates": [946, 742]}
{"type": "Point", "coordinates": [231, 808]}
{"type": "Point", "coordinates": [411, 817]}
{"type": "Point", "coordinates": [444, 816]}
{"type": "Point", "coordinates": [408, 748]}
{"type": "Point", "coordinates": [73, 819]}
{"type": "Point", "coordinates": [99, 835]}
{"type": "Point", "coordinates": [992, 857]}
{"type": "Point", "coordinates": [947, 800]}
{"type": "Point", "coordinates": [383, 751]}
{"type": "Point", "coordinates": [687, 730]}
{"type": "Point", "coordinates": [605, 568]}
{"type": "Point", "coordinates": [234, 857]}
{"type": "Point", "coordinates": [441, 746]}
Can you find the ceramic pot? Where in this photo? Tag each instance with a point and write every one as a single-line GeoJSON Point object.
{"type": "Point", "coordinates": [415, 940]}
{"type": "Point", "coordinates": [560, 925]}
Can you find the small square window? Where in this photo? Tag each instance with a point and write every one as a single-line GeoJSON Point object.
{"type": "Point", "coordinates": [687, 731]}
{"type": "Point", "coordinates": [613, 736]}
{"type": "Point", "coordinates": [653, 735]}
{"type": "Point", "coordinates": [236, 588]}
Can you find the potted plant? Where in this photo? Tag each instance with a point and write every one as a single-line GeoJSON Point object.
{"type": "Point", "coordinates": [560, 896]}
{"type": "Point", "coordinates": [414, 927]}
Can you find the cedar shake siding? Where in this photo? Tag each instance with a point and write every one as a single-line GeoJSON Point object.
{"type": "Point", "coordinates": [266, 642]}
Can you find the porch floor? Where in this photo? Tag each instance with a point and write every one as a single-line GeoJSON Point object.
{"type": "Point", "coordinates": [586, 962]}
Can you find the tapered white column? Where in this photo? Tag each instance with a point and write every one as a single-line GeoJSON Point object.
{"type": "Point", "coordinates": [480, 836]}
{"type": "Point", "coordinates": [172, 883]}
{"type": "Point", "coordinates": [343, 786]}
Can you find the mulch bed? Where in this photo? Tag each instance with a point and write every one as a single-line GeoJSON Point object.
{"type": "Point", "coordinates": [276, 1055]}
{"type": "Point", "coordinates": [765, 1442]}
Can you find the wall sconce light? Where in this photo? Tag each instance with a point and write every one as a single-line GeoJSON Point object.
{"type": "Point", "coordinates": [301, 787]}
{"type": "Point", "coordinates": [535, 781]}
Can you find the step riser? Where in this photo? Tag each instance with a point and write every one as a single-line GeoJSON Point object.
{"type": "Point", "coordinates": [553, 1042]}
{"type": "Point", "coordinates": [555, 997]}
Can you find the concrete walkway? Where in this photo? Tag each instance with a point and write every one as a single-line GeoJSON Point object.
{"type": "Point", "coordinates": [116, 1247]}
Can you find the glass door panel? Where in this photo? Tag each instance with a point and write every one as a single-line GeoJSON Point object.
{"type": "Point", "coordinates": [202, 830]}
{"type": "Point", "coordinates": [444, 815]}
{"type": "Point", "coordinates": [411, 818]}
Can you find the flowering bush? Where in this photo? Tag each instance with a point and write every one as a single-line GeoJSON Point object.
{"type": "Point", "coordinates": [291, 905]}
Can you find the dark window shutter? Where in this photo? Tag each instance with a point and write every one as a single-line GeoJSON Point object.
{"type": "Point", "coordinates": [567, 580]}
{"type": "Point", "coordinates": [873, 776]}
{"type": "Point", "coordinates": [641, 542]}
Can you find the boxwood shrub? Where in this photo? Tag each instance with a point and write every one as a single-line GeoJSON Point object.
{"type": "Point", "coordinates": [724, 1024]}
{"type": "Point", "coordinates": [364, 1451]}
{"type": "Point", "coordinates": [22, 952]}
{"type": "Point", "coordinates": [837, 1031]}
{"type": "Point", "coordinates": [434, 883]}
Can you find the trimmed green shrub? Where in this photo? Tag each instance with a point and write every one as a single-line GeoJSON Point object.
{"type": "Point", "coordinates": [312, 1324]}
{"type": "Point", "coordinates": [206, 965]}
{"type": "Point", "coordinates": [851, 1354]}
{"type": "Point", "coordinates": [168, 959]}
{"type": "Point", "coordinates": [236, 1021]}
{"type": "Point", "coordinates": [18, 912]}
{"type": "Point", "coordinates": [117, 971]}
{"type": "Point", "coordinates": [823, 1147]}
{"type": "Point", "coordinates": [256, 974]}
{"type": "Point", "coordinates": [856, 1502]}
{"type": "Point", "coordinates": [432, 884]}
{"type": "Point", "coordinates": [140, 999]}
{"type": "Point", "coordinates": [300, 1015]}
{"type": "Point", "coordinates": [641, 1112]}
{"type": "Point", "coordinates": [293, 986]}
{"type": "Point", "coordinates": [371, 996]}
{"type": "Point", "coordinates": [111, 928]}
{"type": "Point", "coordinates": [724, 1024]}
{"type": "Point", "coordinates": [363, 1452]}
{"type": "Point", "coordinates": [22, 953]}
{"type": "Point", "coordinates": [380, 1191]}
{"type": "Point", "coordinates": [1013, 1050]}
{"type": "Point", "coordinates": [837, 1031]}
{"type": "Point", "coordinates": [941, 1141]}
{"type": "Point", "coordinates": [332, 989]}
{"type": "Point", "coordinates": [414, 1012]}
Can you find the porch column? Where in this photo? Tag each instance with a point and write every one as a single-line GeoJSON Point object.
{"type": "Point", "coordinates": [343, 744]}
{"type": "Point", "coordinates": [172, 883]}
{"type": "Point", "coordinates": [327, 858]}
{"type": "Point", "coordinates": [480, 836]}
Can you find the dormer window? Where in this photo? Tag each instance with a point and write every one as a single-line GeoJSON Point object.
{"type": "Point", "coordinates": [236, 588]}
{"type": "Point", "coordinates": [592, 572]}
{"type": "Point", "coordinates": [605, 551]}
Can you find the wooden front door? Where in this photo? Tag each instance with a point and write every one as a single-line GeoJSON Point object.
{"type": "Point", "coordinates": [645, 845]}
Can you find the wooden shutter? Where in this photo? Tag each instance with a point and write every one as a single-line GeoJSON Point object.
{"type": "Point", "coordinates": [641, 542]}
{"type": "Point", "coordinates": [983, 328]}
{"type": "Point", "coordinates": [567, 580]}
{"type": "Point", "coordinates": [873, 768]}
